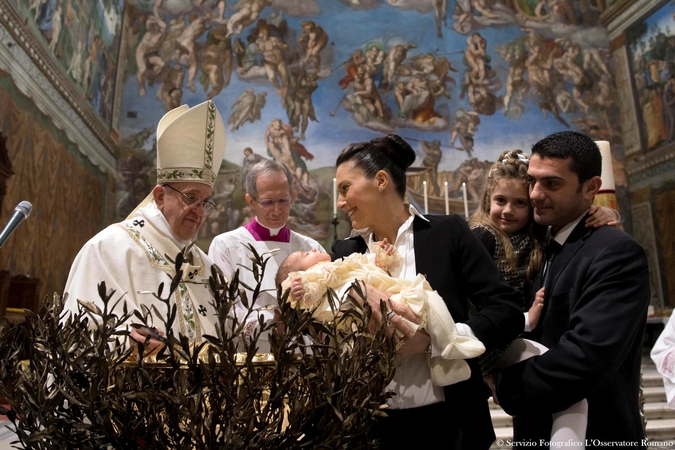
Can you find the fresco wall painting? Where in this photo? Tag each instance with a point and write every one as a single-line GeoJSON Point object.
{"type": "Point", "coordinates": [643, 52]}
{"type": "Point", "coordinates": [651, 45]}
{"type": "Point", "coordinates": [298, 80]}
{"type": "Point", "coordinates": [83, 36]}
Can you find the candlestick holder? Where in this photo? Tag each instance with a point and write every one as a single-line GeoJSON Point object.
{"type": "Point", "coordinates": [335, 223]}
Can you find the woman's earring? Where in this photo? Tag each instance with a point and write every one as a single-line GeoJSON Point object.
{"type": "Point", "coordinates": [379, 189]}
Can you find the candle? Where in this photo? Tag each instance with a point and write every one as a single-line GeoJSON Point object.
{"type": "Point", "coordinates": [426, 201]}
{"type": "Point", "coordinates": [334, 197]}
{"type": "Point", "coordinates": [466, 202]}
{"type": "Point", "coordinates": [607, 174]}
{"type": "Point", "coordinates": [447, 202]}
{"type": "Point", "coordinates": [606, 196]}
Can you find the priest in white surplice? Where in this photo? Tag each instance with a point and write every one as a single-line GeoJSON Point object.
{"type": "Point", "coordinates": [269, 193]}
{"type": "Point", "coordinates": [133, 257]}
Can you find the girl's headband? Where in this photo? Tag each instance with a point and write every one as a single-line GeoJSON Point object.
{"type": "Point", "coordinates": [520, 156]}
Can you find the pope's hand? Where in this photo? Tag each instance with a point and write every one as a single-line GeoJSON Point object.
{"type": "Point", "coordinates": [140, 333]}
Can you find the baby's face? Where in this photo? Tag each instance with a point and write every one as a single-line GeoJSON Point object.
{"type": "Point", "coordinates": [308, 259]}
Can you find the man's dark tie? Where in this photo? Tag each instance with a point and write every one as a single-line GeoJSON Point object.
{"type": "Point", "coordinates": [552, 249]}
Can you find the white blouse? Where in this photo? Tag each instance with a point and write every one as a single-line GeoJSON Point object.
{"type": "Point", "coordinates": [412, 380]}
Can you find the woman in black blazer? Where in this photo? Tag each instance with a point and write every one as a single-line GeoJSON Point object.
{"type": "Point", "coordinates": [371, 185]}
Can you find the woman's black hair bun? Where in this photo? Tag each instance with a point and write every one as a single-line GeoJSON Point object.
{"type": "Point", "coordinates": [397, 149]}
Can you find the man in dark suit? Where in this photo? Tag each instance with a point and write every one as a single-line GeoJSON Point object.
{"type": "Point", "coordinates": [595, 307]}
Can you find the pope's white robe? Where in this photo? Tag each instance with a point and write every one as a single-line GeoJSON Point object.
{"type": "Point", "coordinates": [132, 257]}
{"type": "Point", "coordinates": [230, 252]}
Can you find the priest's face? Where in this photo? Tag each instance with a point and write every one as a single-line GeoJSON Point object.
{"type": "Point", "coordinates": [184, 219]}
{"type": "Point", "coordinates": [273, 203]}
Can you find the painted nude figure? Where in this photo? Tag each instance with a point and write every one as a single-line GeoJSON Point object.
{"type": "Point", "coordinates": [148, 60]}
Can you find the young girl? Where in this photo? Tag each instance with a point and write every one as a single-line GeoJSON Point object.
{"type": "Point", "coordinates": [505, 224]}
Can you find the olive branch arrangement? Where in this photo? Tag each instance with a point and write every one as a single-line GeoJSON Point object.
{"type": "Point", "coordinates": [74, 382]}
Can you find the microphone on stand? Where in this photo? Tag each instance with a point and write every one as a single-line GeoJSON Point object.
{"type": "Point", "coordinates": [21, 213]}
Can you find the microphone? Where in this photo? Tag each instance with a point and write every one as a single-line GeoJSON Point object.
{"type": "Point", "coordinates": [21, 213]}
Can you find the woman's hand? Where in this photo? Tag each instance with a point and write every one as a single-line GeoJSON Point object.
{"type": "Point", "coordinates": [396, 311]}
{"type": "Point", "coordinates": [415, 344]}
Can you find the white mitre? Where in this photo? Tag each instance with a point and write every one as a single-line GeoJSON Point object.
{"type": "Point", "coordinates": [190, 146]}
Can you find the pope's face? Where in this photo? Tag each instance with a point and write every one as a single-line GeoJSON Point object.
{"type": "Point", "coordinates": [184, 220]}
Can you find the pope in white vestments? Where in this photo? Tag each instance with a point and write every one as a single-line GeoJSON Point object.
{"type": "Point", "coordinates": [135, 256]}
{"type": "Point", "coordinates": [131, 257]}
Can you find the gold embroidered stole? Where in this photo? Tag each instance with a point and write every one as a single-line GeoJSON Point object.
{"type": "Point", "coordinates": [161, 254]}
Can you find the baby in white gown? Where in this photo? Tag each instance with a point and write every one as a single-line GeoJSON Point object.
{"type": "Point", "coordinates": [310, 274]}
